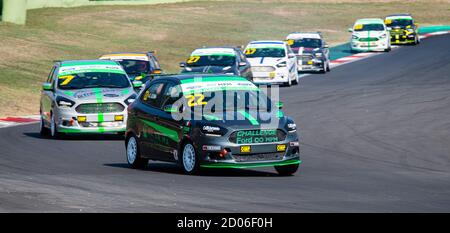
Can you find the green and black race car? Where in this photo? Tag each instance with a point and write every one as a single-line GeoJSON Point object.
{"type": "Point", "coordinates": [210, 121]}
{"type": "Point", "coordinates": [403, 29]}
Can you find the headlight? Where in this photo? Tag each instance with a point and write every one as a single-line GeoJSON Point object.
{"type": "Point", "coordinates": [355, 37]}
{"type": "Point", "coordinates": [281, 64]}
{"type": "Point", "coordinates": [410, 30]}
{"type": "Point", "coordinates": [64, 102]}
{"type": "Point", "coordinates": [130, 99]}
{"type": "Point", "coordinates": [291, 127]}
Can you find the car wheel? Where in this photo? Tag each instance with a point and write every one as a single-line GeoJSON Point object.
{"type": "Point", "coordinates": [189, 159]}
{"type": "Point", "coordinates": [286, 170]}
{"type": "Point", "coordinates": [388, 49]}
{"type": "Point", "coordinates": [134, 158]}
{"type": "Point", "coordinates": [53, 128]}
{"type": "Point", "coordinates": [328, 66]}
{"type": "Point", "coordinates": [296, 78]}
{"type": "Point", "coordinates": [42, 129]}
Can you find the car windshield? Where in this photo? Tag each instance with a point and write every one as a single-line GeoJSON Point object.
{"type": "Point", "coordinates": [211, 60]}
{"type": "Point", "coordinates": [135, 66]}
{"type": "Point", "coordinates": [265, 52]}
{"type": "Point", "coordinates": [307, 42]}
{"type": "Point", "coordinates": [92, 80]}
{"type": "Point", "coordinates": [400, 22]}
{"type": "Point", "coordinates": [369, 27]}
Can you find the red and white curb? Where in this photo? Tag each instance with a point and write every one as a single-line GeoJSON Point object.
{"type": "Point", "coordinates": [11, 121]}
{"type": "Point", "coordinates": [433, 34]}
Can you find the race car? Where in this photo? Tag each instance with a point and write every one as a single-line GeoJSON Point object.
{"type": "Point", "coordinates": [210, 121]}
{"type": "Point", "coordinates": [139, 66]}
{"type": "Point", "coordinates": [86, 96]}
{"type": "Point", "coordinates": [403, 29]}
{"type": "Point", "coordinates": [273, 62]}
{"type": "Point", "coordinates": [218, 60]}
{"type": "Point", "coordinates": [311, 50]}
{"type": "Point", "coordinates": [370, 35]}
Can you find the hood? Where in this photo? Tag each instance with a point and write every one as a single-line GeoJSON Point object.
{"type": "Point", "coordinates": [242, 119]}
{"type": "Point", "coordinates": [209, 69]}
{"type": "Point", "coordinates": [265, 61]}
{"type": "Point", "coordinates": [365, 34]}
{"type": "Point", "coordinates": [96, 94]}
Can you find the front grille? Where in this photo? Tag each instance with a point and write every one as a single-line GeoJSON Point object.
{"type": "Point", "coordinates": [368, 39]}
{"type": "Point", "coordinates": [257, 136]}
{"type": "Point", "coordinates": [258, 157]}
{"type": "Point", "coordinates": [397, 32]}
{"type": "Point", "coordinates": [305, 57]}
{"type": "Point", "coordinates": [99, 108]}
{"type": "Point", "coordinates": [263, 69]}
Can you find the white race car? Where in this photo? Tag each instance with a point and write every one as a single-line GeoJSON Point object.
{"type": "Point", "coordinates": [272, 62]}
{"type": "Point", "coordinates": [370, 35]}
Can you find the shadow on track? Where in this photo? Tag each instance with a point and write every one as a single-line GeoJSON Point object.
{"type": "Point", "coordinates": [78, 137]}
{"type": "Point", "coordinates": [174, 169]}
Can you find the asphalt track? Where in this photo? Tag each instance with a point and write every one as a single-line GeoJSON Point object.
{"type": "Point", "coordinates": [375, 138]}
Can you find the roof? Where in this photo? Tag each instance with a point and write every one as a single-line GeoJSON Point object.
{"type": "Point", "coordinates": [214, 51]}
{"type": "Point", "coordinates": [369, 21]}
{"type": "Point", "coordinates": [399, 16]}
{"type": "Point", "coordinates": [267, 42]}
{"type": "Point", "coordinates": [88, 62]}
{"type": "Point", "coordinates": [301, 35]}
{"type": "Point", "coordinates": [122, 56]}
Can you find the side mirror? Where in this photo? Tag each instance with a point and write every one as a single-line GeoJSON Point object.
{"type": "Point", "coordinates": [157, 71]}
{"type": "Point", "coordinates": [182, 64]}
{"type": "Point", "coordinates": [137, 84]}
{"type": "Point", "coordinates": [242, 64]}
{"type": "Point", "coordinates": [326, 46]}
{"type": "Point", "coordinates": [279, 105]}
{"type": "Point", "coordinates": [350, 30]}
{"type": "Point", "coordinates": [47, 87]}
{"type": "Point", "coordinates": [388, 28]}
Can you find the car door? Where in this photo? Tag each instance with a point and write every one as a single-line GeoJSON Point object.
{"type": "Point", "coordinates": [170, 122]}
{"type": "Point", "coordinates": [47, 96]}
{"type": "Point", "coordinates": [146, 114]}
{"type": "Point", "coordinates": [245, 70]}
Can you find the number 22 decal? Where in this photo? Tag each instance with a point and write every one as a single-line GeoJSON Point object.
{"type": "Point", "coordinates": [192, 100]}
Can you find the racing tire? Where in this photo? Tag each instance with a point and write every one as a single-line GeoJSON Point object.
{"type": "Point", "coordinates": [53, 129]}
{"type": "Point", "coordinates": [286, 170]}
{"type": "Point", "coordinates": [42, 129]}
{"type": "Point", "coordinates": [295, 82]}
{"type": "Point", "coordinates": [288, 83]}
{"type": "Point", "coordinates": [189, 159]}
{"type": "Point", "coordinates": [133, 154]}
{"type": "Point", "coordinates": [388, 49]}
{"type": "Point", "coordinates": [328, 67]}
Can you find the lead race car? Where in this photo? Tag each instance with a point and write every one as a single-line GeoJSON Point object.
{"type": "Point", "coordinates": [403, 29]}
{"type": "Point", "coordinates": [273, 62]}
{"type": "Point", "coordinates": [312, 51]}
{"type": "Point", "coordinates": [86, 96]}
{"type": "Point", "coordinates": [370, 35]}
{"type": "Point", "coordinates": [210, 121]}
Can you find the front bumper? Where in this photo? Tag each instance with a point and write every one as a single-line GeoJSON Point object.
{"type": "Point", "coordinates": [279, 76]}
{"type": "Point", "coordinates": [67, 122]}
{"type": "Point", "coordinates": [403, 39]}
{"type": "Point", "coordinates": [260, 154]}
{"type": "Point", "coordinates": [379, 45]}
